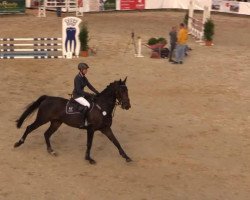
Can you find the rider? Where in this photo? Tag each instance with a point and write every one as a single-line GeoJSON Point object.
{"type": "Point", "coordinates": [80, 82]}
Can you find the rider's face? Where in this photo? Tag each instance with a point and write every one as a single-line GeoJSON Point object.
{"type": "Point", "coordinates": [84, 71]}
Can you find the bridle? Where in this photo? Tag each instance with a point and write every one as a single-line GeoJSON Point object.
{"type": "Point", "coordinates": [118, 102]}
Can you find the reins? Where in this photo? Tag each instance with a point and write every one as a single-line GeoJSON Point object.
{"type": "Point", "coordinates": [117, 103]}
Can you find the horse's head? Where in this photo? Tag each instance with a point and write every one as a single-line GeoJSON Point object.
{"type": "Point", "coordinates": [121, 93]}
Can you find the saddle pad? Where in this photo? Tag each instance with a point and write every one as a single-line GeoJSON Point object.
{"type": "Point", "coordinates": [72, 107]}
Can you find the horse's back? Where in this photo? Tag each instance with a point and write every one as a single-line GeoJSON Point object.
{"type": "Point", "coordinates": [53, 106]}
{"type": "Point", "coordinates": [55, 101]}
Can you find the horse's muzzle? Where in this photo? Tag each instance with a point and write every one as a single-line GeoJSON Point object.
{"type": "Point", "coordinates": [126, 105]}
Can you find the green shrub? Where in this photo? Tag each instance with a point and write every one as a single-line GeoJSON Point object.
{"type": "Point", "coordinates": [162, 40]}
{"type": "Point", "coordinates": [84, 37]}
{"type": "Point", "coordinates": [209, 30]}
{"type": "Point", "coordinates": [152, 41]}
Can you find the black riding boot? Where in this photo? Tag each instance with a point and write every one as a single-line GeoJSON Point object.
{"type": "Point", "coordinates": [84, 110]}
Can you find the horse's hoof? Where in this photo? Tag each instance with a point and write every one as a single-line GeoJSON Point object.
{"type": "Point", "coordinates": [128, 160]}
{"type": "Point", "coordinates": [17, 144]}
{"type": "Point", "coordinates": [52, 152]}
{"type": "Point", "coordinates": [91, 161]}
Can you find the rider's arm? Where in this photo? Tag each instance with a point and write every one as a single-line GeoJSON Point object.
{"type": "Point", "coordinates": [91, 87]}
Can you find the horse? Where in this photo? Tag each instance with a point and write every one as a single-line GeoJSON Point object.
{"type": "Point", "coordinates": [52, 109]}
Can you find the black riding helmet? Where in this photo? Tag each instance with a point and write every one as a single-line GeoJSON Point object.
{"type": "Point", "coordinates": [82, 66]}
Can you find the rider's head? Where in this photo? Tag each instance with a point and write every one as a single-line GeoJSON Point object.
{"type": "Point", "coordinates": [83, 67]}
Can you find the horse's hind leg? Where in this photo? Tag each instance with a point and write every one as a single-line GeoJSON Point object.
{"type": "Point", "coordinates": [28, 130]}
{"type": "Point", "coordinates": [108, 132]}
{"type": "Point", "coordinates": [53, 127]}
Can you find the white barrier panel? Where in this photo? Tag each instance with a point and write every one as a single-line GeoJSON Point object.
{"type": "Point", "coordinates": [70, 36]}
{"type": "Point", "coordinates": [176, 4]}
{"type": "Point", "coordinates": [90, 5]}
{"type": "Point", "coordinates": [196, 26]}
{"type": "Point", "coordinates": [65, 5]}
{"type": "Point", "coordinates": [244, 8]}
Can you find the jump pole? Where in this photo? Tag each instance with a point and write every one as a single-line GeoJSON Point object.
{"type": "Point", "coordinates": [139, 55]}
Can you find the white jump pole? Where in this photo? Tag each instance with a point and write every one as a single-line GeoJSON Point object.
{"type": "Point", "coordinates": [206, 14]}
{"type": "Point", "coordinates": [190, 15]}
{"type": "Point", "coordinates": [139, 55]}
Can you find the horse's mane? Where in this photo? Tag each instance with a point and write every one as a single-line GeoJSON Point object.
{"type": "Point", "coordinates": [109, 90]}
{"type": "Point", "coordinates": [110, 87]}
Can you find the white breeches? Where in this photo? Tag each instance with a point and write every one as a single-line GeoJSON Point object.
{"type": "Point", "coordinates": [83, 101]}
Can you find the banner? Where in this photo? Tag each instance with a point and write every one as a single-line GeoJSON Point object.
{"type": "Point", "coordinates": [12, 6]}
{"type": "Point", "coordinates": [132, 4]}
{"type": "Point", "coordinates": [94, 5]}
{"type": "Point", "coordinates": [102, 5]}
{"type": "Point", "coordinates": [108, 4]}
{"type": "Point", "coordinates": [225, 6]}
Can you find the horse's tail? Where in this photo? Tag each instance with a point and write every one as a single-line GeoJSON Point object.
{"type": "Point", "coordinates": [30, 109]}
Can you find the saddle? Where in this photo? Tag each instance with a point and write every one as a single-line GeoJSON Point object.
{"type": "Point", "coordinates": [73, 107]}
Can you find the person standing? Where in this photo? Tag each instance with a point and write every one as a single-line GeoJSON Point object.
{"type": "Point", "coordinates": [173, 40]}
{"type": "Point", "coordinates": [59, 8]}
{"type": "Point", "coordinates": [181, 44]}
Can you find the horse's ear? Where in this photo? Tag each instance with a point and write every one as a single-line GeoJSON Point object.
{"type": "Point", "coordinates": [125, 80]}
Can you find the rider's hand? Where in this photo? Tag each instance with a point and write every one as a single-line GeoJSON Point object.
{"type": "Point", "coordinates": [90, 96]}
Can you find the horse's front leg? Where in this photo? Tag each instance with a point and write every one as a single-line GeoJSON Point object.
{"type": "Point", "coordinates": [108, 132]}
{"type": "Point", "coordinates": [90, 135]}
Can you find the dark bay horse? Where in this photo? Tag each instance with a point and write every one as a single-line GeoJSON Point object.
{"type": "Point", "coordinates": [52, 109]}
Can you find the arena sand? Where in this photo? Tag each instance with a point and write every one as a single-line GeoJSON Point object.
{"type": "Point", "coordinates": [187, 131]}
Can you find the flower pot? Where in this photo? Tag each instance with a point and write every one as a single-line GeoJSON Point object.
{"type": "Point", "coordinates": [208, 43]}
{"type": "Point", "coordinates": [84, 53]}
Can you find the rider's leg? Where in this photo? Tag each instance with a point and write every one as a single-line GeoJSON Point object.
{"type": "Point", "coordinates": [82, 101]}
{"type": "Point", "coordinates": [84, 110]}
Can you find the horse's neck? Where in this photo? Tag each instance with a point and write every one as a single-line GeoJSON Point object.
{"type": "Point", "coordinates": [106, 100]}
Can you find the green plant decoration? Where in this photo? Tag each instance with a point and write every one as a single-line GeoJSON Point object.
{"type": "Point", "coordinates": [152, 41]}
{"type": "Point", "coordinates": [84, 37]}
{"type": "Point", "coordinates": [162, 40]}
{"type": "Point", "coordinates": [209, 30]}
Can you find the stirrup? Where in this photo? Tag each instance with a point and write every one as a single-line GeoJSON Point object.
{"type": "Point", "coordinates": [86, 123]}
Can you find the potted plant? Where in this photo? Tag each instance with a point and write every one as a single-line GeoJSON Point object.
{"type": "Point", "coordinates": [156, 45]}
{"type": "Point", "coordinates": [208, 32]}
{"type": "Point", "coordinates": [84, 39]}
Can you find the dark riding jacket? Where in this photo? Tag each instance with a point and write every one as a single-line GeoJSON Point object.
{"type": "Point", "coordinates": [173, 37]}
{"type": "Point", "coordinates": [80, 83]}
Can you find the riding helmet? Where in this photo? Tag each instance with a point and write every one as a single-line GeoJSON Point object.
{"type": "Point", "coordinates": [82, 66]}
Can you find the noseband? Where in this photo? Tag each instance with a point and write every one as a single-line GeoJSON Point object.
{"type": "Point", "coordinates": [117, 102]}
